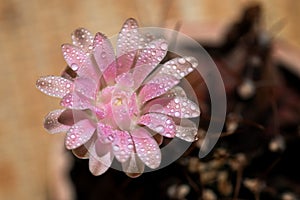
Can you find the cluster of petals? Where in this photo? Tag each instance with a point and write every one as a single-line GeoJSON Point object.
{"type": "Point", "coordinates": [120, 105]}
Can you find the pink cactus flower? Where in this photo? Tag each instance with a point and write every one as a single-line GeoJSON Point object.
{"type": "Point", "coordinates": [120, 106]}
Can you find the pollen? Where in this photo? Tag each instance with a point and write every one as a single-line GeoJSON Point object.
{"type": "Point", "coordinates": [118, 102]}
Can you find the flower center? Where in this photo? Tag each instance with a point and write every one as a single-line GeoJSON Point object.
{"type": "Point", "coordinates": [118, 101]}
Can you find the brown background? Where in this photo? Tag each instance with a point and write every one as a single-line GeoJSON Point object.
{"type": "Point", "coordinates": [31, 33]}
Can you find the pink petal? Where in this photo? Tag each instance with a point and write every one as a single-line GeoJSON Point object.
{"type": "Point", "coordinates": [187, 130]}
{"type": "Point", "coordinates": [159, 123]}
{"type": "Point", "coordinates": [96, 165]}
{"type": "Point", "coordinates": [125, 81]}
{"type": "Point", "coordinates": [147, 59]}
{"type": "Point", "coordinates": [79, 134]}
{"type": "Point", "coordinates": [74, 56]}
{"type": "Point", "coordinates": [157, 86]}
{"type": "Point", "coordinates": [99, 164]}
{"type": "Point", "coordinates": [79, 62]}
{"type": "Point", "coordinates": [82, 38]}
{"type": "Point", "coordinates": [106, 94]}
{"type": "Point", "coordinates": [146, 147]}
{"type": "Point", "coordinates": [55, 86]}
{"type": "Point", "coordinates": [70, 117]}
{"type": "Point", "coordinates": [120, 110]}
{"type": "Point", "coordinates": [106, 133]}
{"type": "Point", "coordinates": [133, 167]}
{"type": "Point", "coordinates": [179, 67]}
{"type": "Point", "coordinates": [86, 86]}
{"type": "Point", "coordinates": [102, 148]}
{"type": "Point", "coordinates": [52, 124]}
{"type": "Point", "coordinates": [105, 57]}
{"type": "Point", "coordinates": [177, 91]}
{"type": "Point", "coordinates": [76, 100]}
{"type": "Point", "coordinates": [133, 105]}
{"type": "Point", "coordinates": [122, 145]}
{"type": "Point", "coordinates": [127, 45]}
{"type": "Point", "coordinates": [180, 107]}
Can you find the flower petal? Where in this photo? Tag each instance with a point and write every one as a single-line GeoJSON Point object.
{"type": "Point", "coordinates": [133, 106]}
{"type": "Point", "coordinates": [122, 145]}
{"type": "Point", "coordinates": [124, 81]}
{"type": "Point", "coordinates": [187, 130]}
{"type": "Point", "coordinates": [179, 67]}
{"type": "Point", "coordinates": [120, 110]}
{"type": "Point", "coordinates": [127, 45]}
{"type": "Point", "coordinates": [133, 167]}
{"type": "Point", "coordinates": [157, 86]}
{"type": "Point", "coordinates": [55, 86]}
{"type": "Point", "coordinates": [74, 56]}
{"type": "Point", "coordinates": [159, 123]}
{"type": "Point", "coordinates": [79, 62]}
{"type": "Point", "coordinates": [146, 147]}
{"type": "Point", "coordinates": [147, 59]}
{"type": "Point", "coordinates": [82, 38]}
{"type": "Point", "coordinates": [105, 57]}
{"type": "Point", "coordinates": [79, 134]}
{"type": "Point", "coordinates": [86, 86]}
{"type": "Point", "coordinates": [70, 117]}
{"type": "Point", "coordinates": [99, 164]}
{"type": "Point", "coordinates": [177, 91]}
{"type": "Point", "coordinates": [76, 100]}
{"type": "Point", "coordinates": [106, 133]}
{"type": "Point", "coordinates": [52, 124]}
{"type": "Point", "coordinates": [180, 107]}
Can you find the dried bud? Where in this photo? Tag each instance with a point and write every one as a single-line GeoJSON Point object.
{"type": "Point", "coordinates": [247, 89]}
{"type": "Point", "coordinates": [178, 191]}
{"type": "Point", "coordinates": [277, 144]}
{"type": "Point", "coordinates": [232, 122]}
{"type": "Point", "coordinates": [254, 185]}
{"type": "Point", "coordinates": [288, 196]}
{"type": "Point", "coordinates": [238, 162]}
{"type": "Point", "coordinates": [209, 195]}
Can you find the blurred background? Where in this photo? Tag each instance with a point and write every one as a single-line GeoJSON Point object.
{"type": "Point", "coordinates": [31, 33]}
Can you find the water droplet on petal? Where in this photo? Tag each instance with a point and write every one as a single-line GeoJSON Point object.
{"type": "Point", "coordinates": [116, 148]}
{"type": "Point", "coordinates": [103, 54]}
{"type": "Point", "coordinates": [164, 46]}
{"type": "Point", "coordinates": [74, 67]}
{"type": "Point", "coordinates": [160, 129]}
{"type": "Point", "coordinates": [181, 60]}
{"type": "Point", "coordinates": [130, 146]}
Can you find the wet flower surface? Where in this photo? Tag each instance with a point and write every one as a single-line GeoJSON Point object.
{"type": "Point", "coordinates": [120, 105]}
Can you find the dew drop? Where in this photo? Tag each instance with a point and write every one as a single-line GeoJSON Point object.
{"type": "Point", "coordinates": [103, 54]}
{"type": "Point", "coordinates": [74, 67]}
{"type": "Point", "coordinates": [181, 60]}
{"type": "Point", "coordinates": [168, 134]}
{"type": "Point", "coordinates": [164, 46]}
{"type": "Point", "coordinates": [130, 146]}
{"type": "Point", "coordinates": [116, 148]}
{"type": "Point", "coordinates": [193, 107]}
{"type": "Point", "coordinates": [160, 129]}
{"type": "Point", "coordinates": [152, 46]}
